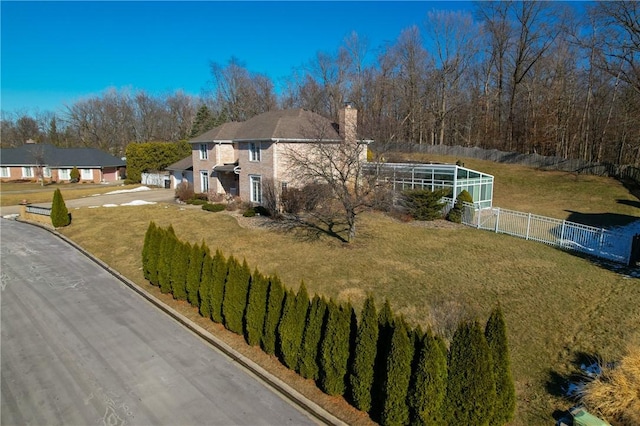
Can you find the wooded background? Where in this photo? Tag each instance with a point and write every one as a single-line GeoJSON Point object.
{"type": "Point", "coordinates": [527, 77]}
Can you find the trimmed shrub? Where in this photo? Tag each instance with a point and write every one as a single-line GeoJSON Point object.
{"type": "Point", "coordinates": [179, 268]}
{"type": "Point", "coordinates": [385, 331]}
{"type": "Point", "coordinates": [169, 241]}
{"type": "Point", "coordinates": [236, 289]}
{"type": "Point", "coordinates": [395, 410]}
{"type": "Point", "coordinates": [146, 249]}
{"type": "Point", "coordinates": [428, 386]}
{"type": "Point", "coordinates": [291, 327]}
{"type": "Point", "coordinates": [59, 214]}
{"type": "Point", "coordinates": [74, 174]}
{"type": "Point", "coordinates": [214, 207]}
{"type": "Point", "coordinates": [249, 213]}
{"type": "Point", "coordinates": [194, 273]}
{"type": "Point", "coordinates": [197, 201]}
{"type": "Point", "coordinates": [471, 389]}
{"type": "Point", "coordinates": [455, 214]}
{"type": "Point", "coordinates": [256, 309]}
{"type": "Point", "coordinates": [308, 365]}
{"type": "Point", "coordinates": [220, 271]}
{"type": "Point", "coordinates": [423, 204]}
{"type": "Point", "coordinates": [361, 377]}
{"type": "Point", "coordinates": [496, 335]}
{"type": "Point", "coordinates": [206, 285]}
{"type": "Point", "coordinates": [335, 349]}
{"type": "Point", "coordinates": [274, 312]}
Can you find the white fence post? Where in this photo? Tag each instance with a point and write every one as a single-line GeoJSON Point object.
{"type": "Point", "coordinates": [497, 219]}
{"type": "Point", "coordinates": [528, 226]}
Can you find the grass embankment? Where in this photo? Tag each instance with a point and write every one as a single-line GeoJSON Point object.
{"type": "Point", "coordinates": [558, 306]}
{"type": "Point", "coordinates": [12, 193]}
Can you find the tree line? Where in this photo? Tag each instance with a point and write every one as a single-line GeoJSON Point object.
{"type": "Point", "coordinates": [516, 76]}
{"type": "Point", "coordinates": [397, 373]}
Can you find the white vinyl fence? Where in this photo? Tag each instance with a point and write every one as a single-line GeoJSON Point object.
{"type": "Point", "coordinates": [600, 242]}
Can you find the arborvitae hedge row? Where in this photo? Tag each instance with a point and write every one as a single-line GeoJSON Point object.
{"type": "Point", "coordinates": [308, 364]}
{"type": "Point", "coordinates": [179, 268]}
{"type": "Point", "coordinates": [274, 312]}
{"type": "Point", "coordinates": [169, 241]}
{"type": "Point", "coordinates": [220, 271]}
{"type": "Point", "coordinates": [194, 274]}
{"type": "Point", "coordinates": [146, 249]}
{"type": "Point", "coordinates": [335, 349]}
{"type": "Point", "coordinates": [291, 327]}
{"type": "Point", "coordinates": [256, 309]}
{"type": "Point", "coordinates": [236, 290]}
{"type": "Point", "coordinates": [362, 368]}
{"type": "Point", "coordinates": [385, 331]}
{"type": "Point", "coordinates": [206, 285]}
{"type": "Point", "coordinates": [496, 335]}
{"type": "Point", "coordinates": [395, 410]}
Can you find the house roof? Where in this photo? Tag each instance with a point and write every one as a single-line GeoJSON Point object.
{"type": "Point", "coordinates": [291, 124]}
{"type": "Point", "coordinates": [52, 156]}
{"type": "Point", "coordinates": [184, 164]}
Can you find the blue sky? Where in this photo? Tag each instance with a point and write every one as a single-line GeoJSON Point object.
{"type": "Point", "coordinates": [55, 53]}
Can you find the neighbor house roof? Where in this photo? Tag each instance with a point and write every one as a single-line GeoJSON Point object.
{"type": "Point", "coordinates": [291, 124]}
{"type": "Point", "coordinates": [184, 164]}
{"type": "Point", "coordinates": [52, 156]}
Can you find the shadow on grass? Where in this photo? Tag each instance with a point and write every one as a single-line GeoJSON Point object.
{"type": "Point", "coordinates": [602, 220]}
{"type": "Point", "coordinates": [310, 228]}
{"type": "Point", "coordinates": [558, 384]}
{"type": "Point", "coordinates": [631, 203]}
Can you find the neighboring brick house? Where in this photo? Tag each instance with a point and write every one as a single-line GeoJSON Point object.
{"type": "Point", "coordinates": [34, 161]}
{"type": "Point", "coordinates": [236, 158]}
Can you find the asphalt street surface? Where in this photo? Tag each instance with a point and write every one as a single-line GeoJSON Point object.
{"type": "Point", "coordinates": [81, 348]}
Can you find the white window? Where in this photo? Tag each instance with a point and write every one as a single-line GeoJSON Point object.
{"type": "Point", "coordinates": [204, 153]}
{"type": "Point", "coordinates": [254, 151]}
{"type": "Point", "coordinates": [65, 174]}
{"type": "Point", "coordinates": [46, 172]}
{"type": "Point", "coordinates": [204, 181]}
{"type": "Point", "coordinates": [4, 172]}
{"type": "Point", "coordinates": [86, 174]}
{"type": "Point", "coordinates": [256, 189]}
{"type": "Point", "coordinates": [27, 172]}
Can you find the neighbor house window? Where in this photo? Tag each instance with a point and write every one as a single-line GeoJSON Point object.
{"type": "Point", "coordinates": [256, 189]}
{"type": "Point", "coordinates": [204, 153]}
{"type": "Point", "coordinates": [86, 174]}
{"type": "Point", "coordinates": [27, 172]}
{"type": "Point", "coordinates": [204, 181]}
{"type": "Point", "coordinates": [65, 174]}
{"type": "Point", "coordinates": [46, 172]}
{"type": "Point", "coordinates": [4, 172]}
{"type": "Point", "coordinates": [254, 151]}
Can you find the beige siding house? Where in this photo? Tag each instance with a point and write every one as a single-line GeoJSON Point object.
{"type": "Point", "coordinates": [237, 158]}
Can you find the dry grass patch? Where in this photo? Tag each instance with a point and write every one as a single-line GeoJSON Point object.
{"type": "Point", "coordinates": [556, 304]}
{"type": "Point", "coordinates": [12, 194]}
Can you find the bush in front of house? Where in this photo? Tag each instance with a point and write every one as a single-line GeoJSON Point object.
{"type": "Point", "coordinates": [214, 207]}
{"type": "Point", "coordinates": [455, 214]}
{"type": "Point", "coordinates": [59, 213]}
{"type": "Point", "coordinates": [249, 212]}
{"type": "Point", "coordinates": [423, 204]}
{"type": "Point", "coordinates": [184, 191]}
{"type": "Point", "coordinates": [74, 174]}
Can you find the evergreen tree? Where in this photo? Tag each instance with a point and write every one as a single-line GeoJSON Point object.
{"type": "Point", "coordinates": [335, 349]}
{"type": "Point", "coordinates": [236, 289]}
{"type": "Point", "coordinates": [194, 274]}
{"type": "Point", "coordinates": [206, 286]}
{"type": "Point", "coordinates": [203, 122]}
{"type": "Point", "coordinates": [146, 249]}
{"type": "Point", "coordinates": [395, 410]}
{"type": "Point", "coordinates": [428, 382]}
{"type": "Point", "coordinates": [59, 213]}
{"type": "Point", "coordinates": [471, 389]}
{"type": "Point", "coordinates": [179, 267]}
{"type": "Point", "coordinates": [496, 335]}
{"type": "Point", "coordinates": [308, 365]}
{"type": "Point", "coordinates": [256, 309]}
{"type": "Point", "coordinates": [385, 331]}
{"type": "Point", "coordinates": [169, 241]}
{"type": "Point", "coordinates": [155, 243]}
{"type": "Point", "coordinates": [274, 312]}
{"type": "Point", "coordinates": [361, 377]}
{"type": "Point", "coordinates": [220, 270]}
{"type": "Point", "coordinates": [291, 328]}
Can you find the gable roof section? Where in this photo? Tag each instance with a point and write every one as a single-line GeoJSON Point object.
{"type": "Point", "coordinates": [52, 156]}
{"type": "Point", "coordinates": [184, 164]}
{"type": "Point", "coordinates": [291, 124]}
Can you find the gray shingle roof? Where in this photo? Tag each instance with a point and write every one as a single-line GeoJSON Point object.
{"type": "Point", "coordinates": [290, 124]}
{"type": "Point", "coordinates": [52, 156]}
{"type": "Point", "coordinates": [184, 164]}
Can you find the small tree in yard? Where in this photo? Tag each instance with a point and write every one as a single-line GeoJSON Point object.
{"type": "Point", "coordinates": [256, 309]}
{"type": "Point", "coordinates": [362, 368]}
{"type": "Point", "coordinates": [471, 388]}
{"type": "Point", "coordinates": [423, 204]}
{"type": "Point", "coordinates": [59, 213]}
{"type": "Point", "coordinates": [496, 335]}
{"type": "Point", "coordinates": [274, 312]}
{"type": "Point", "coordinates": [308, 365]}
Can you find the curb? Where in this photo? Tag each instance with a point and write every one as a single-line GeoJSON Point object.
{"type": "Point", "coordinates": [286, 391]}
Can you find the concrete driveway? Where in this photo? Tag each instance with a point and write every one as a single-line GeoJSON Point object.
{"type": "Point", "coordinates": [81, 348]}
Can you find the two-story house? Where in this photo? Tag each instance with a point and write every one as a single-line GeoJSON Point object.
{"type": "Point", "coordinates": [237, 157]}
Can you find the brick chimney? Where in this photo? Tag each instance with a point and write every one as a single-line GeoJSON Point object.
{"type": "Point", "coordinates": [348, 123]}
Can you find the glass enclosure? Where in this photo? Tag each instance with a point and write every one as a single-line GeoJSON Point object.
{"type": "Point", "coordinates": [436, 176]}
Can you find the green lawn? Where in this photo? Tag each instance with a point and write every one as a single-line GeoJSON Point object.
{"type": "Point", "coordinates": [558, 305]}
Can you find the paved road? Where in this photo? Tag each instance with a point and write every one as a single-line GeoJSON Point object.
{"type": "Point", "coordinates": [81, 348]}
